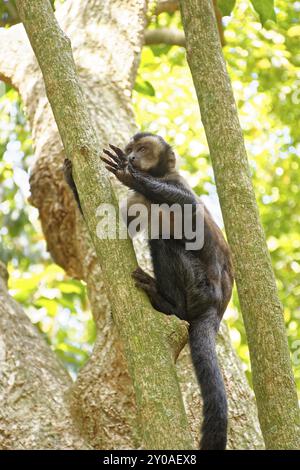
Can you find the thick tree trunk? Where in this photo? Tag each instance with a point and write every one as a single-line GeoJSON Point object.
{"type": "Point", "coordinates": [273, 380]}
{"type": "Point", "coordinates": [102, 399]}
{"type": "Point", "coordinates": [34, 412]}
{"type": "Point", "coordinates": [162, 418]}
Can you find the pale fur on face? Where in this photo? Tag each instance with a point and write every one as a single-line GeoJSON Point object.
{"type": "Point", "coordinates": [150, 158]}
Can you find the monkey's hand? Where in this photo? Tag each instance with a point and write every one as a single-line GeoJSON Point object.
{"type": "Point", "coordinates": [118, 164]}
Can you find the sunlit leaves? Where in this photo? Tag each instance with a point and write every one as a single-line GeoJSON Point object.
{"type": "Point", "coordinates": [56, 305]}
{"type": "Point", "coordinates": [144, 87]}
{"type": "Point", "coordinates": [265, 9]}
{"type": "Point", "coordinates": [226, 6]}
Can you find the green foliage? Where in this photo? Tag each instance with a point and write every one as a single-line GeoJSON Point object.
{"type": "Point", "coordinates": [226, 6]}
{"type": "Point", "coordinates": [264, 8]}
{"type": "Point", "coordinates": [144, 87]}
{"type": "Point", "coordinates": [56, 304]}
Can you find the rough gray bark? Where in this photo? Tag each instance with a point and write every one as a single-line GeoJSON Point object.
{"type": "Point", "coordinates": [273, 380]}
{"type": "Point", "coordinates": [34, 412]}
{"type": "Point", "coordinates": [102, 395]}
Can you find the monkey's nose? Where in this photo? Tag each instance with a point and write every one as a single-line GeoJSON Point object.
{"type": "Point", "coordinates": [132, 158]}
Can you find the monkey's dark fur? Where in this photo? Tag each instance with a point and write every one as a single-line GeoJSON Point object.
{"type": "Point", "coordinates": [194, 285]}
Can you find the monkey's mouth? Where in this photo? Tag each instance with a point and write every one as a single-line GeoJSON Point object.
{"type": "Point", "coordinates": [135, 164]}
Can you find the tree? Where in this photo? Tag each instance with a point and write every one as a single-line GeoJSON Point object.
{"type": "Point", "coordinates": [33, 385]}
{"type": "Point", "coordinates": [273, 379]}
{"type": "Point", "coordinates": [58, 222]}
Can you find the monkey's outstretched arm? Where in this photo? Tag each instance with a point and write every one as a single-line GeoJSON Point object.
{"type": "Point", "coordinates": [154, 189]}
{"type": "Point", "coordinates": [159, 191]}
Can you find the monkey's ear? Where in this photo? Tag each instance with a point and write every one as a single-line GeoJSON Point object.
{"type": "Point", "coordinates": [171, 159]}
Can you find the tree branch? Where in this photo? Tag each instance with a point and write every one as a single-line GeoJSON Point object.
{"type": "Point", "coordinates": [170, 6]}
{"type": "Point", "coordinates": [273, 380]}
{"type": "Point", "coordinates": [173, 37]}
{"type": "Point", "coordinates": [166, 6]}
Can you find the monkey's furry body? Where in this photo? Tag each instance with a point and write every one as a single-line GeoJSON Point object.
{"type": "Point", "coordinates": [194, 285]}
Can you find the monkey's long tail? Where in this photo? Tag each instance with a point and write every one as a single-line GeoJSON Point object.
{"type": "Point", "coordinates": [202, 334]}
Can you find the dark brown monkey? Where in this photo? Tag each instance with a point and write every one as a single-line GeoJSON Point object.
{"type": "Point", "coordinates": [194, 285]}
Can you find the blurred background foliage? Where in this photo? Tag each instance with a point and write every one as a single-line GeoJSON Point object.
{"type": "Point", "coordinates": [264, 66]}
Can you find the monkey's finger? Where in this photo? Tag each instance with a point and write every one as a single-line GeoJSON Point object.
{"type": "Point", "coordinates": [118, 151]}
{"type": "Point", "coordinates": [111, 155]}
{"type": "Point", "coordinates": [111, 169]}
{"type": "Point", "coordinates": [109, 162]}
{"type": "Point", "coordinates": [136, 271]}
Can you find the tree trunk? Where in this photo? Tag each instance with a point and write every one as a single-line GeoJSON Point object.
{"type": "Point", "coordinates": [162, 418]}
{"type": "Point", "coordinates": [273, 380]}
{"type": "Point", "coordinates": [102, 397]}
{"type": "Point", "coordinates": [34, 412]}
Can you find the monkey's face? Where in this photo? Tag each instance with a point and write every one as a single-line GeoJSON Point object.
{"type": "Point", "coordinates": [151, 154]}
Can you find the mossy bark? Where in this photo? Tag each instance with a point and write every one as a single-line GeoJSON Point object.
{"type": "Point", "coordinates": [273, 380]}
{"type": "Point", "coordinates": [159, 403]}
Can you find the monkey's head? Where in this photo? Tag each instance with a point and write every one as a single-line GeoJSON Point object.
{"type": "Point", "coordinates": [150, 153]}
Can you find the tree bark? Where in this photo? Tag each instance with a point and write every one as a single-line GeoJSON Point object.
{"type": "Point", "coordinates": [170, 6]}
{"type": "Point", "coordinates": [34, 412]}
{"type": "Point", "coordinates": [102, 397]}
{"type": "Point", "coordinates": [273, 380]}
{"type": "Point", "coordinates": [162, 418]}
{"type": "Point", "coordinates": [172, 37]}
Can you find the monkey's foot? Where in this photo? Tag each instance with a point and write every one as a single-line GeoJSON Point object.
{"type": "Point", "coordinates": [144, 281]}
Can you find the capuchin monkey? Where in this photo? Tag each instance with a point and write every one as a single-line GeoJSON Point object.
{"type": "Point", "coordinates": [194, 285]}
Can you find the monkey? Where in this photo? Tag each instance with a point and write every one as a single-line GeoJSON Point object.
{"type": "Point", "coordinates": [195, 285]}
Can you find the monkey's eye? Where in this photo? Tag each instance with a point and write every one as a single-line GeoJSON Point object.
{"type": "Point", "coordinates": [142, 149]}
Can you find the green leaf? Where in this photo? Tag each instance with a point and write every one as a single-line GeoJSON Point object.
{"type": "Point", "coordinates": [226, 6]}
{"type": "Point", "coordinates": [265, 9]}
{"type": "Point", "coordinates": [144, 87]}
{"type": "Point", "coordinates": [70, 287]}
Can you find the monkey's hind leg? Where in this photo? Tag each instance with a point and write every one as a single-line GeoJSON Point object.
{"type": "Point", "coordinates": [67, 169]}
{"type": "Point", "coordinates": [148, 284]}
